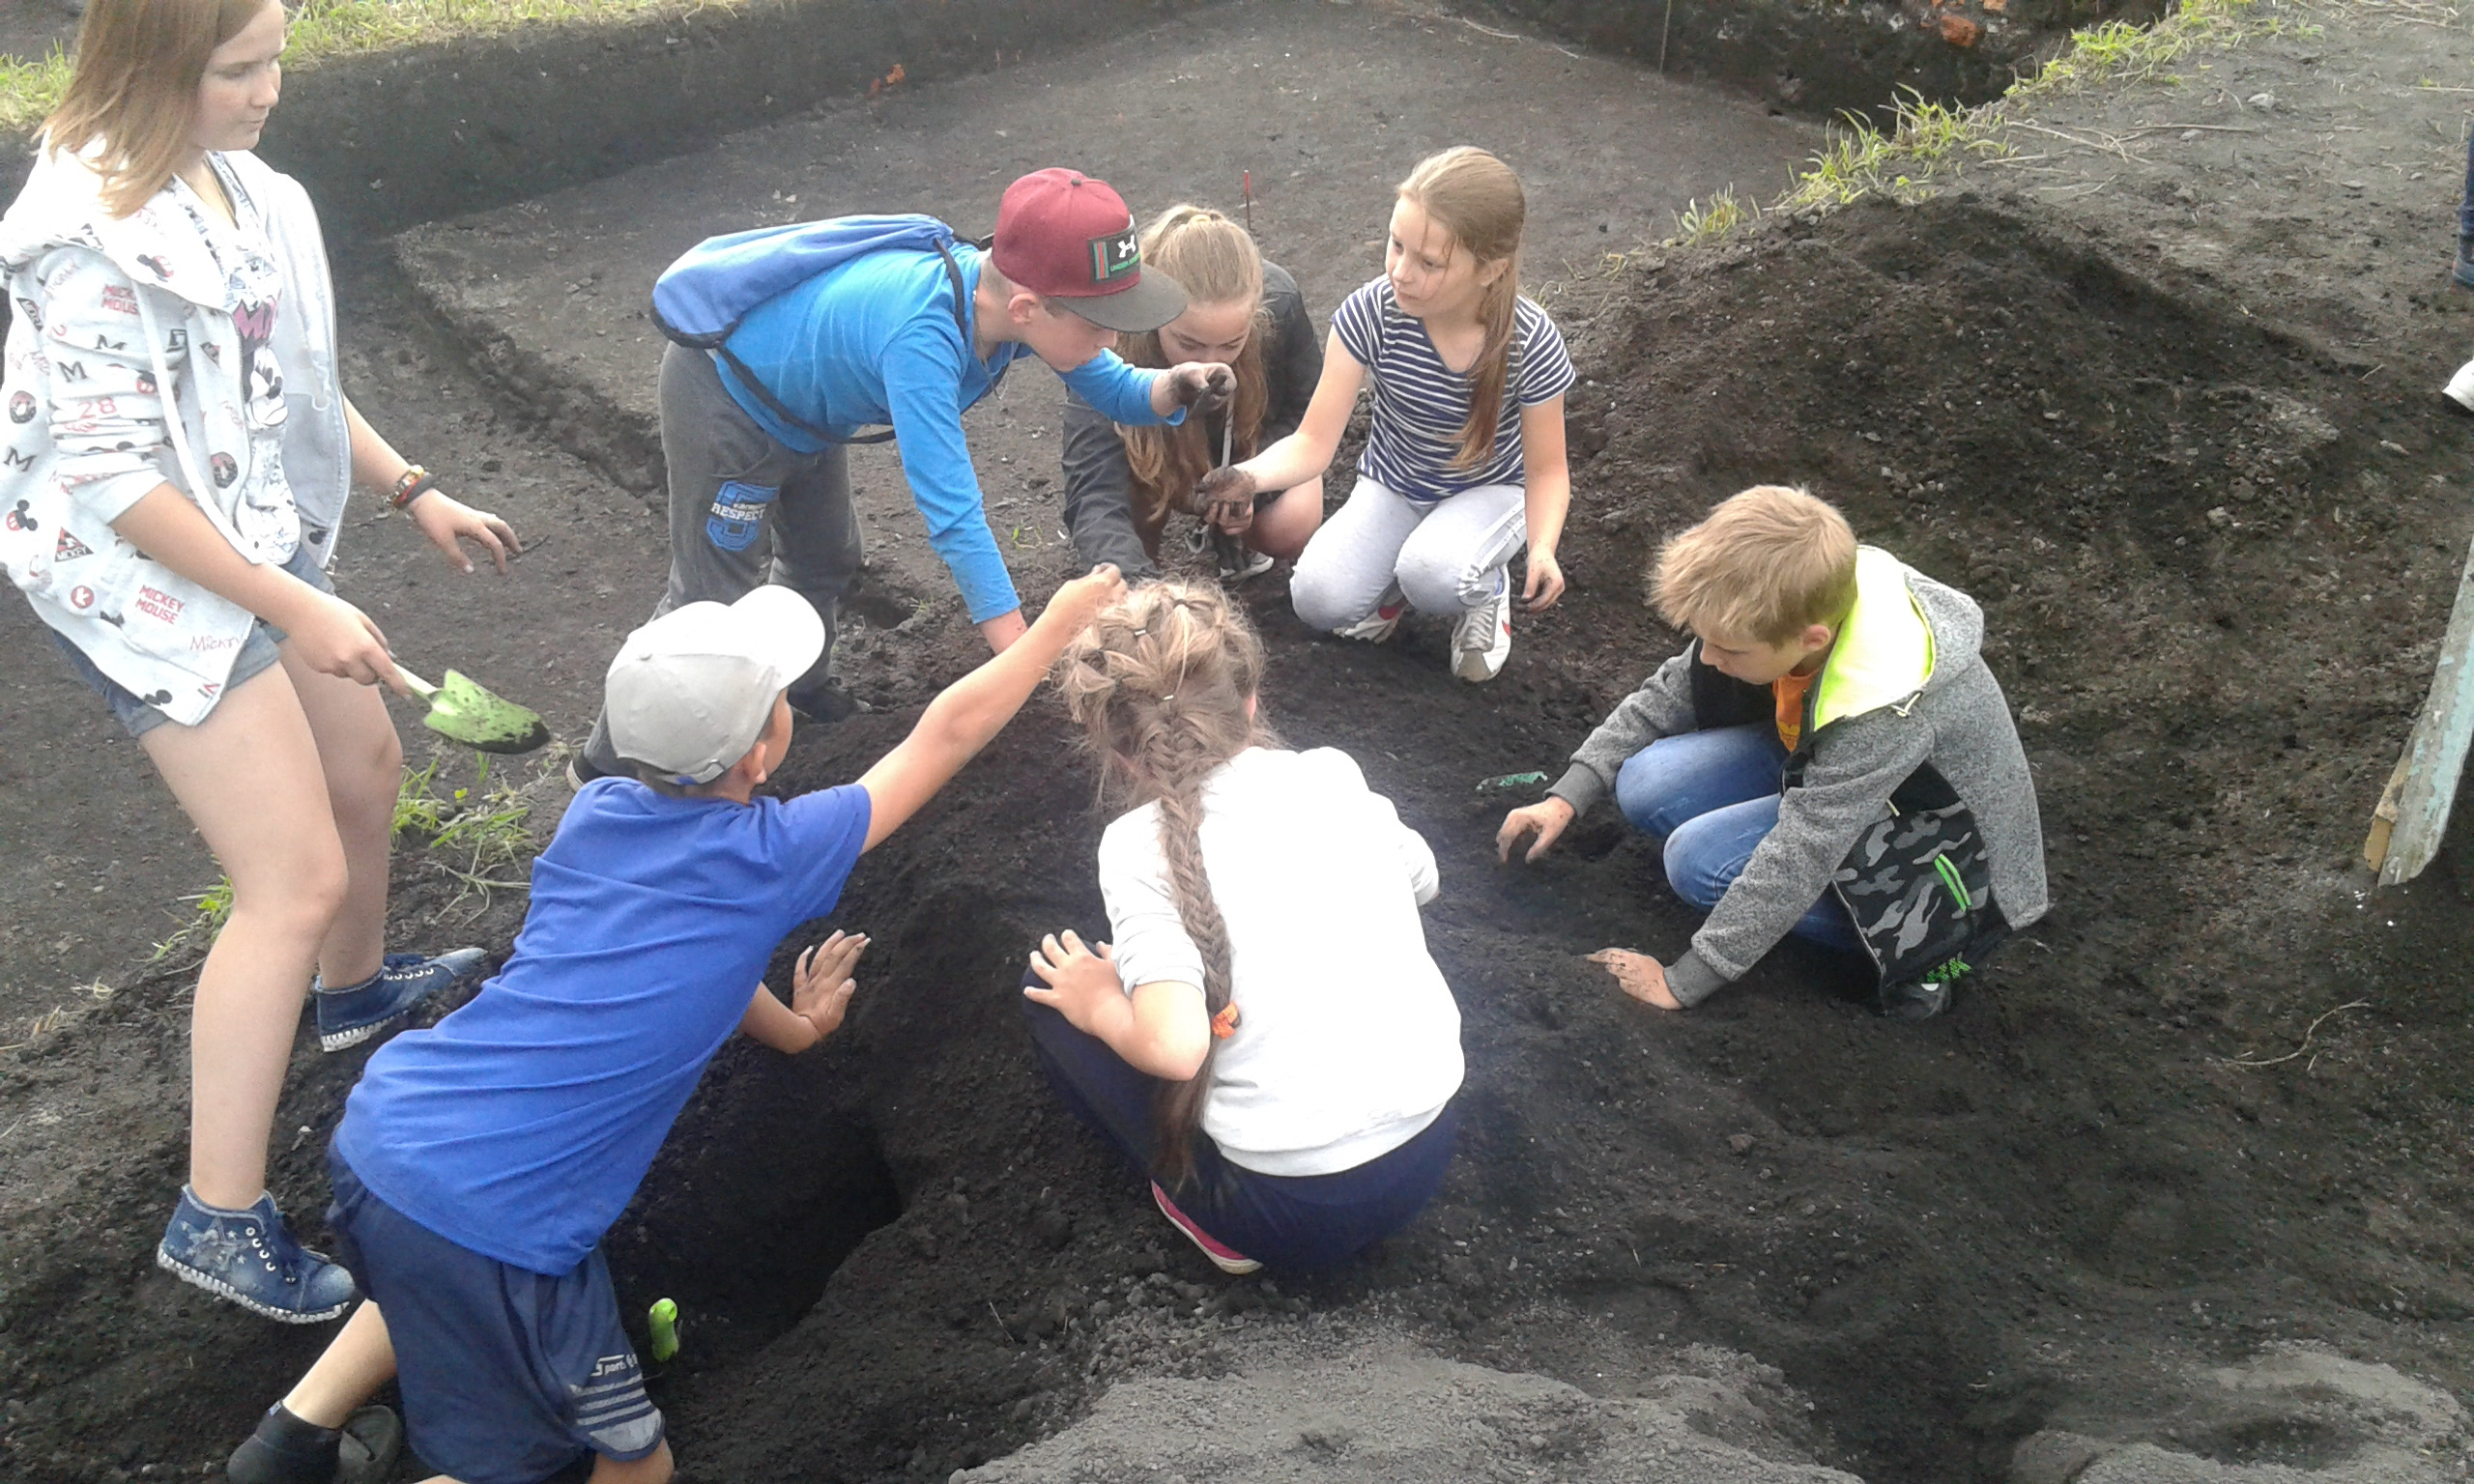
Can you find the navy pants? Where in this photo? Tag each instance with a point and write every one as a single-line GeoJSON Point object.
{"type": "Point", "coordinates": [1282, 1222]}
{"type": "Point", "coordinates": [1714, 796]}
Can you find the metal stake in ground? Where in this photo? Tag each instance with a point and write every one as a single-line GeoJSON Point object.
{"type": "Point", "coordinates": [1230, 552]}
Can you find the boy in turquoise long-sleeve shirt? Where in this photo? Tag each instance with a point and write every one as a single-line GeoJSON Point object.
{"type": "Point", "coordinates": [760, 485]}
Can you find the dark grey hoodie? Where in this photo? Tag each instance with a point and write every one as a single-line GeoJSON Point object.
{"type": "Point", "coordinates": [1907, 755]}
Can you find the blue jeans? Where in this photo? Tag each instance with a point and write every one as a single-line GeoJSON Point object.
{"type": "Point", "coordinates": [1714, 796]}
{"type": "Point", "coordinates": [1286, 1221]}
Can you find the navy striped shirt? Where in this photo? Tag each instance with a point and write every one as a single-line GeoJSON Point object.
{"type": "Point", "coordinates": [1420, 406]}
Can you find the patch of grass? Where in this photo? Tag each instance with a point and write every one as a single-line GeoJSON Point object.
{"type": "Point", "coordinates": [209, 910]}
{"type": "Point", "coordinates": [1696, 223]}
{"type": "Point", "coordinates": [322, 29]}
{"type": "Point", "coordinates": [1926, 139]}
{"type": "Point", "coordinates": [477, 833]}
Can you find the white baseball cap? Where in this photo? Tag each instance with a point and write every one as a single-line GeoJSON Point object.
{"type": "Point", "coordinates": [691, 691]}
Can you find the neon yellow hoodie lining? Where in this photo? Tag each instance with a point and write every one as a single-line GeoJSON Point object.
{"type": "Point", "coordinates": [1884, 654]}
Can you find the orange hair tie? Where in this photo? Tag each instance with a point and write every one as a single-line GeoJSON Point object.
{"type": "Point", "coordinates": [1224, 1024]}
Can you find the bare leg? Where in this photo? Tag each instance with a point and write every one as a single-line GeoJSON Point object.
{"type": "Point", "coordinates": [359, 1361]}
{"type": "Point", "coordinates": [1283, 526]}
{"type": "Point", "coordinates": [238, 776]}
{"type": "Point", "coordinates": [363, 762]}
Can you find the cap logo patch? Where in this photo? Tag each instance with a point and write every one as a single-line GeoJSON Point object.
{"type": "Point", "coordinates": [1117, 255]}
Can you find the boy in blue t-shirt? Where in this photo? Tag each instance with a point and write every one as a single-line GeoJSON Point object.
{"type": "Point", "coordinates": [480, 1161]}
{"type": "Point", "coordinates": [754, 433]}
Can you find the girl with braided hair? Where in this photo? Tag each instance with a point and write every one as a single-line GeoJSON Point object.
{"type": "Point", "coordinates": [1267, 1037]}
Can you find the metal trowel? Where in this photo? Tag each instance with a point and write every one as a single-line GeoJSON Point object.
{"type": "Point", "coordinates": [461, 711]}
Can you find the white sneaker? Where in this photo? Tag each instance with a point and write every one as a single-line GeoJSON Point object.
{"type": "Point", "coordinates": [2461, 386]}
{"type": "Point", "coordinates": [1377, 626]}
{"type": "Point", "coordinates": [1481, 640]}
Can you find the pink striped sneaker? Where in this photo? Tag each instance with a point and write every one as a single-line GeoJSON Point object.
{"type": "Point", "coordinates": [1222, 1257]}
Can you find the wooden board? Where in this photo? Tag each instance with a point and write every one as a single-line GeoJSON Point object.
{"type": "Point", "coordinates": [2425, 784]}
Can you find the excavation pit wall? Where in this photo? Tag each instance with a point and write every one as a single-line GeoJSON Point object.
{"type": "Point", "coordinates": [1966, 1243]}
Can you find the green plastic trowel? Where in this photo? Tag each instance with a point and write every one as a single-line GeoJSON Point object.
{"type": "Point", "coordinates": [461, 711]}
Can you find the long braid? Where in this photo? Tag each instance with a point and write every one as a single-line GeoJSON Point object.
{"type": "Point", "coordinates": [1164, 684]}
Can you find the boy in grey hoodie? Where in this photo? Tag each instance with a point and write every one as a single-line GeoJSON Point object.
{"type": "Point", "coordinates": [1831, 757]}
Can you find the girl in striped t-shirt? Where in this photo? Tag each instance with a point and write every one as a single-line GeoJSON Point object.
{"type": "Point", "coordinates": [1464, 461]}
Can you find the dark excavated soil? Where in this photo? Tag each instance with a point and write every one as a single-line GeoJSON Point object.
{"type": "Point", "coordinates": [1947, 1236]}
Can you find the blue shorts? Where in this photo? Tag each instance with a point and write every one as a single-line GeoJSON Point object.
{"type": "Point", "coordinates": [259, 652]}
{"type": "Point", "coordinates": [509, 1375]}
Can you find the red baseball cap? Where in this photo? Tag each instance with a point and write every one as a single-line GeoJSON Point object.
{"type": "Point", "coordinates": [1063, 234]}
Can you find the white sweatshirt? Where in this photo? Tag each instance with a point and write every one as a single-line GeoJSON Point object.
{"type": "Point", "coordinates": [1348, 1040]}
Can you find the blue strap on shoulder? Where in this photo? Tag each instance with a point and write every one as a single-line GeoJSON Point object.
{"type": "Point", "coordinates": [700, 300]}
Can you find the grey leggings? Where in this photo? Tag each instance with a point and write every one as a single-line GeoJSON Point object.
{"type": "Point", "coordinates": [1446, 557]}
{"type": "Point", "coordinates": [745, 511]}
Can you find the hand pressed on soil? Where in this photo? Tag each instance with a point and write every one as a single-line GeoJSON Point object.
{"type": "Point", "coordinates": [822, 985]}
{"type": "Point", "coordinates": [1082, 983]}
{"type": "Point", "coordinates": [1642, 976]}
{"type": "Point", "coordinates": [1547, 817]}
{"type": "Point", "coordinates": [448, 523]}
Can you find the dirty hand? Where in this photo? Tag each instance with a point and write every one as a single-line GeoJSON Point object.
{"type": "Point", "coordinates": [1080, 600]}
{"type": "Point", "coordinates": [336, 639]}
{"type": "Point", "coordinates": [1225, 498]}
{"type": "Point", "coordinates": [1082, 983]}
{"type": "Point", "coordinates": [1642, 976]}
{"type": "Point", "coordinates": [448, 522]}
{"type": "Point", "coordinates": [1204, 387]}
{"type": "Point", "coordinates": [1544, 583]}
{"type": "Point", "coordinates": [822, 985]}
{"type": "Point", "coordinates": [1547, 817]}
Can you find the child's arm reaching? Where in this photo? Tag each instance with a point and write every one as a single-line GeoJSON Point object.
{"type": "Point", "coordinates": [973, 709]}
{"type": "Point", "coordinates": [1548, 489]}
{"type": "Point", "coordinates": [1304, 454]}
{"type": "Point", "coordinates": [1160, 1028]}
{"type": "Point", "coordinates": [821, 988]}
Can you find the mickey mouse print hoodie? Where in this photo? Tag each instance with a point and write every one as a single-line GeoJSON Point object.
{"type": "Point", "coordinates": [159, 347]}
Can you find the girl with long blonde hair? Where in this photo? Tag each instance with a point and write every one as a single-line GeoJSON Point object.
{"type": "Point", "coordinates": [1266, 1037]}
{"type": "Point", "coordinates": [1464, 460]}
{"type": "Point", "coordinates": [1122, 483]}
{"type": "Point", "coordinates": [179, 457]}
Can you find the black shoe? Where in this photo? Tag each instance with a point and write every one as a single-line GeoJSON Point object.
{"type": "Point", "coordinates": [581, 771]}
{"type": "Point", "coordinates": [2462, 273]}
{"type": "Point", "coordinates": [827, 704]}
{"type": "Point", "coordinates": [286, 1450]}
{"type": "Point", "coordinates": [1915, 999]}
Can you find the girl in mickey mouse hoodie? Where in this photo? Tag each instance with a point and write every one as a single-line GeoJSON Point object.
{"type": "Point", "coordinates": [175, 454]}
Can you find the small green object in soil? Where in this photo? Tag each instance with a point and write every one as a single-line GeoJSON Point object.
{"type": "Point", "coordinates": [662, 1322]}
{"type": "Point", "coordinates": [1510, 782]}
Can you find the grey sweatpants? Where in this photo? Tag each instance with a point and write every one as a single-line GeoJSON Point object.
{"type": "Point", "coordinates": [1446, 557]}
{"type": "Point", "coordinates": [745, 511]}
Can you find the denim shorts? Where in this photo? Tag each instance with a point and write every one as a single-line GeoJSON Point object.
{"type": "Point", "coordinates": [509, 1375]}
{"type": "Point", "coordinates": [261, 651]}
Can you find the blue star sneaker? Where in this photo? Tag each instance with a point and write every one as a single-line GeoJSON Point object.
{"type": "Point", "coordinates": [353, 1013]}
{"type": "Point", "coordinates": [248, 1257]}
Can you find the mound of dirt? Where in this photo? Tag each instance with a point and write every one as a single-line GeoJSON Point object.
{"type": "Point", "coordinates": [1378, 1415]}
